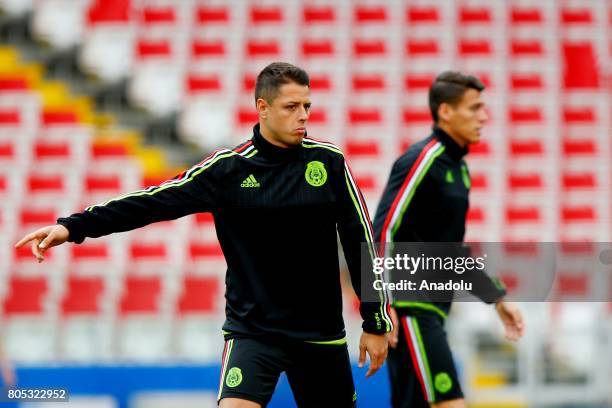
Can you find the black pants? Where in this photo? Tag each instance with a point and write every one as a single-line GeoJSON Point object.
{"type": "Point", "coordinates": [319, 374]}
{"type": "Point", "coordinates": [421, 367]}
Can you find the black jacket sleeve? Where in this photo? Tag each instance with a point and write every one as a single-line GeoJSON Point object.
{"type": "Point", "coordinates": [189, 192]}
{"type": "Point", "coordinates": [487, 288]}
{"type": "Point", "coordinates": [355, 230]}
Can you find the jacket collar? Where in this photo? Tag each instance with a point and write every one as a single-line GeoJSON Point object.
{"type": "Point", "coordinates": [271, 151]}
{"type": "Point", "coordinates": [454, 150]}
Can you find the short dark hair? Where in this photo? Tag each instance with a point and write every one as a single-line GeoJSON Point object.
{"type": "Point", "coordinates": [272, 77]}
{"type": "Point", "coordinates": [449, 87]}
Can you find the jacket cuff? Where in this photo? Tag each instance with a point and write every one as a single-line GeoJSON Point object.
{"type": "Point", "coordinates": [75, 234]}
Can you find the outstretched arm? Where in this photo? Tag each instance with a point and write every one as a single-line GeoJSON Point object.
{"type": "Point", "coordinates": [191, 191]}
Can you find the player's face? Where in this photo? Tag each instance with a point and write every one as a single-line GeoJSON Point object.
{"type": "Point", "coordinates": [467, 117]}
{"type": "Point", "coordinates": [284, 120]}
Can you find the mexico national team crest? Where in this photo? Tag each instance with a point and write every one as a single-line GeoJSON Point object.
{"type": "Point", "coordinates": [234, 377]}
{"type": "Point", "coordinates": [315, 175]}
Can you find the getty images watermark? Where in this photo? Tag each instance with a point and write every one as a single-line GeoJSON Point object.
{"type": "Point", "coordinates": [411, 265]}
{"type": "Point", "coordinates": [443, 272]}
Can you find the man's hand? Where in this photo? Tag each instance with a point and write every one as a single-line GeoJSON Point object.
{"type": "Point", "coordinates": [43, 239]}
{"type": "Point", "coordinates": [392, 335]}
{"type": "Point", "coordinates": [376, 347]}
{"type": "Point", "coordinates": [512, 318]}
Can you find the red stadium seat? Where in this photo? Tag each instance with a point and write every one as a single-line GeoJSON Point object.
{"type": "Point", "coordinates": [109, 150]}
{"type": "Point", "coordinates": [246, 116]}
{"type": "Point", "coordinates": [530, 147]}
{"type": "Point", "coordinates": [207, 49]}
{"type": "Point", "coordinates": [584, 180]}
{"type": "Point", "coordinates": [203, 83]}
{"type": "Point", "coordinates": [580, 66]}
{"type": "Point", "coordinates": [370, 82]}
{"type": "Point", "coordinates": [89, 251]}
{"type": "Point", "coordinates": [524, 115]}
{"type": "Point", "coordinates": [25, 295]}
{"type": "Point", "coordinates": [526, 82]}
{"type": "Point", "coordinates": [516, 215]}
{"type": "Point", "coordinates": [206, 15]}
{"type": "Point", "coordinates": [153, 49]}
{"type": "Point", "coordinates": [416, 115]}
{"type": "Point", "coordinates": [43, 183]}
{"type": "Point", "coordinates": [422, 14]}
{"type": "Point", "coordinates": [93, 183]}
{"type": "Point", "coordinates": [572, 284]}
{"type": "Point", "coordinates": [317, 48]}
{"type": "Point", "coordinates": [525, 15]}
{"type": "Point", "coordinates": [52, 150]}
{"type": "Point", "coordinates": [476, 215]}
{"type": "Point", "coordinates": [266, 14]}
{"type": "Point", "coordinates": [158, 15]}
{"type": "Point", "coordinates": [370, 14]}
{"type": "Point", "coordinates": [474, 48]}
{"type": "Point", "coordinates": [471, 15]}
{"type": "Point", "coordinates": [82, 295]}
{"type": "Point", "coordinates": [526, 48]}
{"type": "Point", "coordinates": [263, 48]}
{"type": "Point", "coordinates": [58, 117]}
{"type": "Point", "coordinates": [362, 148]}
{"type": "Point", "coordinates": [482, 148]}
{"type": "Point", "coordinates": [480, 181]}
{"type": "Point", "coordinates": [199, 295]}
{"type": "Point", "coordinates": [37, 217]}
{"type": "Point", "coordinates": [205, 250]}
{"type": "Point", "coordinates": [10, 117]}
{"type": "Point", "coordinates": [320, 82]}
{"type": "Point", "coordinates": [364, 116]}
{"type": "Point", "coordinates": [204, 219]}
{"type": "Point", "coordinates": [140, 295]}
{"type": "Point", "coordinates": [576, 16]}
{"type": "Point", "coordinates": [369, 48]}
{"type": "Point", "coordinates": [318, 117]}
{"type": "Point", "coordinates": [312, 14]}
{"type": "Point", "coordinates": [530, 181]}
{"type": "Point", "coordinates": [14, 83]}
{"type": "Point", "coordinates": [583, 115]}
{"type": "Point", "coordinates": [148, 251]}
{"type": "Point", "coordinates": [109, 11]}
{"type": "Point", "coordinates": [582, 213]}
{"type": "Point", "coordinates": [586, 147]}
{"type": "Point", "coordinates": [420, 48]}
{"type": "Point", "coordinates": [366, 182]}
{"type": "Point", "coordinates": [418, 81]}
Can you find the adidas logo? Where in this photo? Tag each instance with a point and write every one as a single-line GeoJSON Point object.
{"type": "Point", "coordinates": [250, 182]}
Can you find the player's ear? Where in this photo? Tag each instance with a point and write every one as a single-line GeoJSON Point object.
{"type": "Point", "coordinates": [262, 107]}
{"type": "Point", "coordinates": [444, 111]}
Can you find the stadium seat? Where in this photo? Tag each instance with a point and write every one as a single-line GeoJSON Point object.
{"type": "Point", "coordinates": [474, 15]}
{"type": "Point", "coordinates": [153, 16]}
{"type": "Point", "coordinates": [261, 15]}
{"type": "Point", "coordinates": [140, 295]}
{"type": "Point", "coordinates": [26, 295]}
{"type": "Point", "coordinates": [422, 14]}
{"type": "Point", "coordinates": [82, 296]}
{"type": "Point", "coordinates": [199, 295]}
{"type": "Point", "coordinates": [578, 181]}
{"type": "Point", "coordinates": [314, 14]}
{"type": "Point", "coordinates": [525, 16]}
{"type": "Point", "coordinates": [212, 14]}
{"type": "Point", "coordinates": [363, 14]}
{"type": "Point", "coordinates": [580, 66]}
